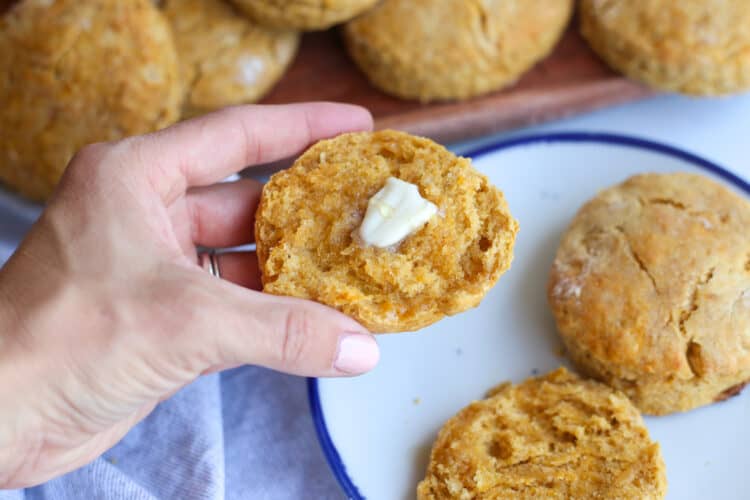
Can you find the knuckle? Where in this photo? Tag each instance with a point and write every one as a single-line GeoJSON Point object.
{"type": "Point", "coordinates": [298, 330]}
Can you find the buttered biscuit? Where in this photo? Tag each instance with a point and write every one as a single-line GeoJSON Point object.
{"type": "Point", "coordinates": [393, 230]}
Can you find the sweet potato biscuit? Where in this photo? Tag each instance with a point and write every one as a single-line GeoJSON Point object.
{"type": "Point", "coordinates": [306, 15]}
{"type": "Point", "coordinates": [699, 47]}
{"type": "Point", "coordinates": [308, 216]}
{"type": "Point", "coordinates": [453, 49]}
{"type": "Point", "coordinates": [73, 72]}
{"type": "Point", "coordinates": [225, 58]}
{"type": "Point", "coordinates": [651, 290]}
{"type": "Point", "coordinates": [551, 437]}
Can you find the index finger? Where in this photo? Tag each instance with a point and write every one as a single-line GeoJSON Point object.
{"type": "Point", "coordinates": [205, 150]}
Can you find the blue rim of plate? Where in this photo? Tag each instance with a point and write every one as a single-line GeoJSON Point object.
{"type": "Point", "coordinates": [329, 449]}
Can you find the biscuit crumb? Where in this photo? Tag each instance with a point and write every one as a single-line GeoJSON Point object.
{"type": "Point", "coordinates": [307, 248]}
{"type": "Point", "coordinates": [555, 436]}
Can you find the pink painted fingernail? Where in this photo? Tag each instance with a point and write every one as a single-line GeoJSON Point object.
{"type": "Point", "coordinates": [358, 353]}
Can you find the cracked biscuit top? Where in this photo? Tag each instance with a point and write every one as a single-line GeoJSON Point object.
{"type": "Point", "coordinates": [74, 72]}
{"type": "Point", "coordinates": [225, 58]}
{"type": "Point", "coordinates": [698, 47]}
{"type": "Point", "coordinates": [453, 49]}
{"type": "Point", "coordinates": [650, 289]}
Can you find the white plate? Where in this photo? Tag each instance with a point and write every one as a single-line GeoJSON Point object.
{"type": "Point", "coordinates": [376, 430]}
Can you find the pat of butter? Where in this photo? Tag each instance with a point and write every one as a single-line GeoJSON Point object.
{"type": "Point", "coordinates": [395, 212]}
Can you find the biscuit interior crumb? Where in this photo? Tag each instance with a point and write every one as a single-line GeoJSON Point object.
{"type": "Point", "coordinates": [309, 214]}
{"type": "Point", "coordinates": [555, 436]}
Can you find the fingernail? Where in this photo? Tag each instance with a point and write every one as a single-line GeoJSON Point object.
{"type": "Point", "coordinates": [358, 353]}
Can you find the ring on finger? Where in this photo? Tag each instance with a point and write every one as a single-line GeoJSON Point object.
{"type": "Point", "coordinates": [209, 261]}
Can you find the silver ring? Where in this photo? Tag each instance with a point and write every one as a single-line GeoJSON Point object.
{"type": "Point", "coordinates": [210, 262]}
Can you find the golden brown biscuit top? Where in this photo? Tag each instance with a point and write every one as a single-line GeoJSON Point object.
{"type": "Point", "coordinates": [454, 33]}
{"type": "Point", "coordinates": [73, 72]}
{"type": "Point", "coordinates": [674, 30]}
{"type": "Point", "coordinates": [653, 275]}
{"type": "Point", "coordinates": [226, 58]}
{"type": "Point", "coordinates": [303, 14]}
{"type": "Point", "coordinates": [555, 436]}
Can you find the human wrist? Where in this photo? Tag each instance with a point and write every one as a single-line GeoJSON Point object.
{"type": "Point", "coordinates": [11, 413]}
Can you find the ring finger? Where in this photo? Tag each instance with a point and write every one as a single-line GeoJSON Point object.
{"type": "Point", "coordinates": [241, 268]}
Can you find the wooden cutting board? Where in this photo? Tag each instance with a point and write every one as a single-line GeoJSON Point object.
{"type": "Point", "coordinates": [571, 81]}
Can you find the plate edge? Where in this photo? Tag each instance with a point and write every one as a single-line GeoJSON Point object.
{"type": "Point", "coordinates": [324, 438]}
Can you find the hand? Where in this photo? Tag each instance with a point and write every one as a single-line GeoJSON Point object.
{"type": "Point", "coordinates": [104, 311]}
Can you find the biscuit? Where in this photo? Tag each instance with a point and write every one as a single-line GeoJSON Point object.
{"type": "Point", "coordinates": [308, 214]}
{"type": "Point", "coordinates": [551, 437]}
{"type": "Point", "coordinates": [303, 14]}
{"type": "Point", "coordinates": [453, 49]}
{"type": "Point", "coordinates": [650, 289]}
{"type": "Point", "coordinates": [225, 58]}
{"type": "Point", "coordinates": [74, 72]}
{"type": "Point", "coordinates": [695, 47]}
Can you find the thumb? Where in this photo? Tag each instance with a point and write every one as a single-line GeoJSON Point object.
{"type": "Point", "coordinates": [286, 334]}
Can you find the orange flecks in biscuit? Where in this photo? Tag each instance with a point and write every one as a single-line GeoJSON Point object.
{"type": "Point", "coordinates": [552, 437]}
{"type": "Point", "coordinates": [309, 214]}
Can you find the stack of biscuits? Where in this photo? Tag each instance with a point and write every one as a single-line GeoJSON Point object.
{"type": "Point", "coordinates": [75, 72]}
{"type": "Point", "coordinates": [81, 71]}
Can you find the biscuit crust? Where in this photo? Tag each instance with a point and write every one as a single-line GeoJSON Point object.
{"type": "Point", "coordinates": [650, 289]}
{"type": "Point", "coordinates": [699, 47]}
{"type": "Point", "coordinates": [555, 436]}
{"type": "Point", "coordinates": [305, 15]}
{"type": "Point", "coordinates": [74, 72]}
{"type": "Point", "coordinates": [225, 58]}
{"type": "Point", "coordinates": [453, 49]}
{"type": "Point", "coordinates": [309, 213]}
